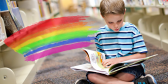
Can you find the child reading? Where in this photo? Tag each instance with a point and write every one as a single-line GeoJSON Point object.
{"type": "Point", "coordinates": [119, 41]}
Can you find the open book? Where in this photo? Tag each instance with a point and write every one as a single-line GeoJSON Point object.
{"type": "Point", "coordinates": [96, 59]}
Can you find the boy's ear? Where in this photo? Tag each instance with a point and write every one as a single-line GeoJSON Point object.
{"type": "Point", "coordinates": [125, 10]}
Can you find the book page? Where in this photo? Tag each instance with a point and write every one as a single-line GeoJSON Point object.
{"type": "Point", "coordinates": [132, 60]}
{"type": "Point", "coordinates": [96, 59]}
{"type": "Point", "coordinates": [82, 67]}
{"type": "Point", "coordinates": [88, 67]}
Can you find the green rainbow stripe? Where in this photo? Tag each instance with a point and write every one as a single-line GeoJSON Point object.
{"type": "Point", "coordinates": [50, 34]}
{"type": "Point", "coordinates": [57, 29]}
{"type": "Point", "coordinates": [56, 38]}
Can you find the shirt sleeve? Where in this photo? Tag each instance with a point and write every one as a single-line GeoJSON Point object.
{"type": "Point", "coordinates": [138, 43]}
{"type": "Point", "coordinates": [98, 44]}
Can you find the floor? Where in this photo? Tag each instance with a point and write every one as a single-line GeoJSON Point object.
{"type": "Point", "coordinates": [56, 68]}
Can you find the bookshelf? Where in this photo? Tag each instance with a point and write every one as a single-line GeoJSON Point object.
{"type": "Point", "coordinates": [2, 43]}
{"type": "Point", "coordinates": [92, 9]}
{"type": "Point", "coordinates": [148, 15]}
{"type": "Point", "coordinates": [152, 3]}
{"type": "Point", "coordinates": [13, 67]}
{"type": "Point", "coordinates": [150, 23]}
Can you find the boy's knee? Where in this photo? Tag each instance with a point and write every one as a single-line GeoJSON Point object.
{"type": "Point", "coordinates": [92, 77]}
{"type": "Point", "coordinates": [125, 77]}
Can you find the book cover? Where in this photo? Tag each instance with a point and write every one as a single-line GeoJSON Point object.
{"type": "Point", "coordinates": [160, 2]}
{"type": "Point", "coordinates": [9, 23]}
{"type": "Point", "coordinates": [3, 5]}
{"type": "Point", "coordinates": [13, 4]}
{"type": "Point", "coordinates": [2, 30]}
{"type": "Point", "coordinates": [8, 4]}
{"type": "Point", "coordinates": [41, 8]}
{"type": "Point", "coordinates": [145, 2]}
{"type": "Point", "coordinates": [141, 2]}
{"type": "Point", "coordinates": [17, 18]}
{"type": "Point", "coordinates": [49, 7]}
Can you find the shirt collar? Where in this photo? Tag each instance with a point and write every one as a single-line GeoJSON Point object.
{"type": "Point", "coordinates": [108, 29]}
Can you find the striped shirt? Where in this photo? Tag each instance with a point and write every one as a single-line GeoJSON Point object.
{"type": "Point", "coordinates": [125, 42]}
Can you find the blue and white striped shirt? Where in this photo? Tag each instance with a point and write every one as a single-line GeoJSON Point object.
{"type": "Point", "coordinates": [125, 42]}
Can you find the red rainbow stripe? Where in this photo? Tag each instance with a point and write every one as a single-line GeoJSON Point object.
{"type": "Point", "coordinates": [40, 27]}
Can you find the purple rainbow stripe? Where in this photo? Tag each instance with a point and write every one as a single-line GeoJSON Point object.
{"type": "Point", "coordinates": [70, 41]}
{"type": "Point", "coordinates": [57, 50]}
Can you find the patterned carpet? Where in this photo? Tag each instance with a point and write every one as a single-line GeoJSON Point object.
{"type": "Point", "coordinates": [56, 68]}
{"type": "Point", "coordinates": [157, 66]}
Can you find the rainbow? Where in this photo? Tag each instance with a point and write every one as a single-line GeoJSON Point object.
{"type": "Point", "coordinates": [51, 36]}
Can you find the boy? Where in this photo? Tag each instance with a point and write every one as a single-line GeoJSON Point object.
{"type": "Point", "coordinates": [120, 41]}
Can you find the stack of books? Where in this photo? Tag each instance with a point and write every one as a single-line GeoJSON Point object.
{"type": "Point", "coordinates": [10, 18]}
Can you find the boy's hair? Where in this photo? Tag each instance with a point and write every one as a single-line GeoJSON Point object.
{"type": "Point", "coordinates": [112, 7]}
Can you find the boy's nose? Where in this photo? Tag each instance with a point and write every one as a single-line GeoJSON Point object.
{"type": "Point", "coordinates": [116, 25]}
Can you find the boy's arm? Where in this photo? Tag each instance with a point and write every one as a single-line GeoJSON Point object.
{"type": "Point", "coordinates": [110, 62]}
{"type": "Point", "coordinates": [134, 56]}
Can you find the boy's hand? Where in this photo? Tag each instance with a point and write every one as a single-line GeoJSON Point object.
{"type": "Point", "coordinates": [110, 62]}
{"type": "Point", "coordinates": [87, 58]}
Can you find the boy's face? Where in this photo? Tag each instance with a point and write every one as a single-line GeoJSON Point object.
{"type": "Point", "coordinates": [114, 21]}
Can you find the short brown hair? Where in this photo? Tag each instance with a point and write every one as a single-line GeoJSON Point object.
{"type": "Point", "coordinates": [112, 7]}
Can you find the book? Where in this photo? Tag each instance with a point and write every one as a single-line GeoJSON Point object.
{"type": "Point", "coordinates": [160, 2]}
{"type": "Point", "coordinates": [17, 18]}
{"type": "Point", "coordinates": [9, 22]}
{"type": "Point", "coordinates": [2, 30]}
{"type": "Point", "coordinates": [41, 8]}
{"type": "Point", "coordinates": [141, 2]}
{"type": "Point", "coordinates": [13, 4]}
{"type": "Point", "coordinates": [91, 3]}
{"type": "Point", "coordinates": [130, 2]}
{"type": "Point", "coordinates": [3, 5]}
{"type": "Point", "coordinates": [48, 6]}
{"type": "Point", "coordinates": [10, 5]}
{"type": "Point", "coordinates": [96, 59]}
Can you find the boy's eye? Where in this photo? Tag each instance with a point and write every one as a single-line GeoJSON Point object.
{"type": "Point", "coordinates": [119, 21]}
{"type": "Point", "coordinates": [110, 22]}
